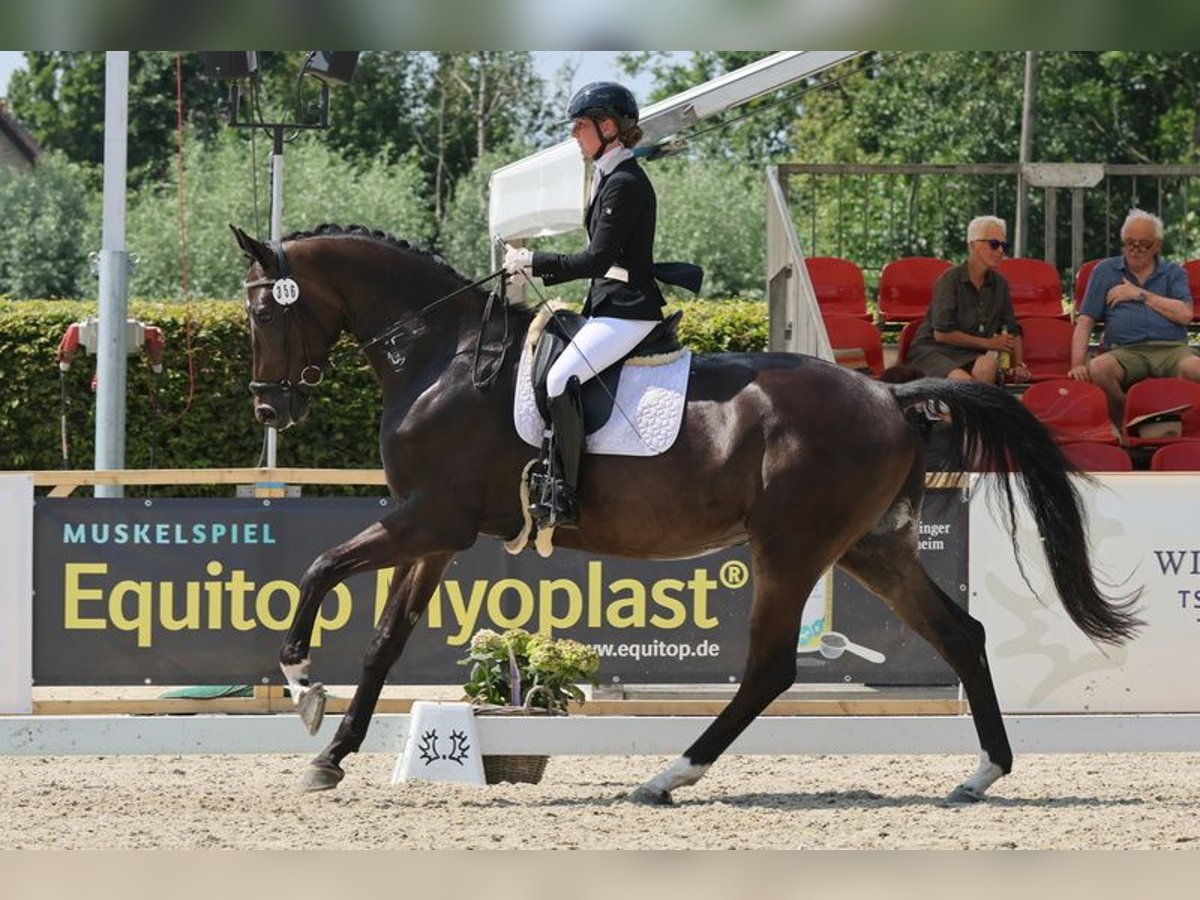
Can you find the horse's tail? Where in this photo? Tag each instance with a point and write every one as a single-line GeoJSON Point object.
{"type": "Point", "coordinates": [998, 434]}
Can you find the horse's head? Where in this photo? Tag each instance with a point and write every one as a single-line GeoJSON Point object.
{"type": "Point", "coordinates": [295, 317]}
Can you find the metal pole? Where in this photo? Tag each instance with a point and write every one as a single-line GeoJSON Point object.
{"type": "Point", "coordinates": [114, 277]}
{"type": "Point", "coordinates": [1026, 151]}
{"type": "Point", "coordinates": [1076, 229]}
{"type": "Point", "coordinates": [1051, 252]}
{"type": "Point", "coordinates": [276, 235]}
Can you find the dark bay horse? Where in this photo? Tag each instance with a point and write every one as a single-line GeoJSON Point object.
{"type": "Point", "coordinates": [806, 461]}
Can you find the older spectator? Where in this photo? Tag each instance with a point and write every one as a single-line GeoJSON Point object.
{"type": "Point", "coordinates": [970, 327]}
{"type": "Point", "coordinates": [1145, 305]}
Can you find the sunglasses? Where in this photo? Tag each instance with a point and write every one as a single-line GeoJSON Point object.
{"type": "Point", "coordinates": [994, 244]}
{"type": "Point", "coordinates": [1138, 245]}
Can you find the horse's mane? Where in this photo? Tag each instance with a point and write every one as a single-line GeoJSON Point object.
{"type": "Point", "coordinates": [329, 229]}
{"type": "Point", "coordinates": [362, 232]}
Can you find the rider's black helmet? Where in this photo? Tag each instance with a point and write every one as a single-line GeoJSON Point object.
{"type": "Point", "coordinates": [601, 99]}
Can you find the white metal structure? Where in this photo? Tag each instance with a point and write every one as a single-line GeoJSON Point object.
{"type": "Point", "coordinates": [16, 593]}
{"type": "Point", "coordinates": [545, 193]}
{"type": "Point", "coordinates": [796, 325]}
{"type": "Point", "coordinates": [114, 276]}
{"type": "Point", "coordinates": [600, 735]}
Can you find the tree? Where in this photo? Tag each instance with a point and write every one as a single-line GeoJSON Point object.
{"type": "Point", "coordinates": [60, 99]}
{"type": "Point", "coordinates": [43, 234]}
{"type": "Point", "coordinates": [964, 107]}
{"type": "Point", "coordinates": [465, 241]}
{"type": "Point", "coordinates": [712, 212]}
{"type": "Point", "coordinates": [319, 186]}
{"type": "Point", "coordinates": [474, 101]}
{"type": "Point", "coordinates": [375, 117]}
{"type": "Point", "coordinates": [753, 133]}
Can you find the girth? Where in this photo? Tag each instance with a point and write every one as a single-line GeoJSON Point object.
{"type": "Point", "coordinates": [598, 392]}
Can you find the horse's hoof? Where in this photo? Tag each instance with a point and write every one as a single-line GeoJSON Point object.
{"type": "Point", "coordinates": [649, 797]}
{"type": "Point", "coordinates": [963, 795]}
{"type": "Point", "coordinates": [319, 777]}
{"type": "Point", "coordinates": [311, 707]}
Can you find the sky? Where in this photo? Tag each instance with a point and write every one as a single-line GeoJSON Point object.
{"type": "Point", "coordinates": [9, 60]}
{"type": "Point", "coordinates": [594, 65]}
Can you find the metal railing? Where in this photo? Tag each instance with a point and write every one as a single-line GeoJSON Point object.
{"type": "Point", "coordinates": [795, 320]}
{"type": "Point", "coordinates": [872, 214]}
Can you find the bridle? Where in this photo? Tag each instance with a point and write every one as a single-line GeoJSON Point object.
{"type": "Point", "coordinates": [286, 293]}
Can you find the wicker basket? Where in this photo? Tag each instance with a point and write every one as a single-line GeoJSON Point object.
{"type": "Point", "coordinates": [511, 767]}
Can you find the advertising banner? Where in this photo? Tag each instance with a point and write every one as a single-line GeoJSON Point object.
{"type": "Point", "coordinates": [1143, 534]}
{"type": "Point", "coordinates": [202, 591]}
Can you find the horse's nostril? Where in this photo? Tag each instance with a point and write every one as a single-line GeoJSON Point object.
{"type": "Point", "coordinates": [264, 413]}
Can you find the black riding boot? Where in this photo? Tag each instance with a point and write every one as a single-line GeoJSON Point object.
{"type": "Point", "coordinates": [554, 501]}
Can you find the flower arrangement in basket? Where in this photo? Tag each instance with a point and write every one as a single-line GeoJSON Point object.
{"type": "Point", "coordinates": [518, 673]}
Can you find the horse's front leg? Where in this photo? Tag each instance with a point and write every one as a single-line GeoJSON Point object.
{"type": "Point", "coordinates": [412, 586]}
{"type": "Point", "coordinates": [376, 546]}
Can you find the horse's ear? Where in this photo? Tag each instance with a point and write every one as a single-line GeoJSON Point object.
{"type": "Point", "coordinates": [256, 251]}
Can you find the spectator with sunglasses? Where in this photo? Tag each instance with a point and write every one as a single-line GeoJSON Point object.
{"type": "Point", "coordinates": [970, 321]}
{"type": "Point", "coordinates": [1145, 305]}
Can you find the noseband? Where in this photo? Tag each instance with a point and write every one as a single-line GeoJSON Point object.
{"type": "Point", "coordinates": [286, 292]}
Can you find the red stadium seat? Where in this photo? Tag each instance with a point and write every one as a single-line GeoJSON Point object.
{"type": "Point", "coordinates": [1192, 267]}
{"type": "Point", "coordinates": [839, 286]}
{"type": "Point", "coordinates": [856, 344]}
{"type": "Point", "coordinates": [1081, 282]}
{"type": "Point", "coordinates": [907, 333]}
{"type": "Point", "coordinates": [1180, 456]}
{"type": "Point", "coordinates": [1047, 345]}
{"type": "Point", "coordinates": [1156, 395]}
{"type": "Point", "coordinates": [1072, 410]}
{"type": "Point", "coordinates": [1092, 456]}
{"type": "Point", "coordinates": [1034, 285]}
{"type": "Point", "coordinates": [906, 287]}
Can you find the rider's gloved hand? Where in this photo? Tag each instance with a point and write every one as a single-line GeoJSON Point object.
{"type": "Point", "coordinates": [517, 260]}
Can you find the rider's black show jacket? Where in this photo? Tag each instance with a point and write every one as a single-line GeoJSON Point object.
{"type": "Point", "coordinates": [620, 224]}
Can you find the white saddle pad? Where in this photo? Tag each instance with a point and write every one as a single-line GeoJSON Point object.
{"type": "Point", "coordinates": [652, 398]}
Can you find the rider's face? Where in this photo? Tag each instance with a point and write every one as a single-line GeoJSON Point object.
{"type": "Point", "coordinates": [586, 136]}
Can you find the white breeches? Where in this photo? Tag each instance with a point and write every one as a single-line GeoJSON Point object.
{"type": "Point", "coordinates": [599, 343]}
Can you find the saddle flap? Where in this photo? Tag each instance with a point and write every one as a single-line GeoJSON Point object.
{"type": "Point", "coordinates": [651, 400]}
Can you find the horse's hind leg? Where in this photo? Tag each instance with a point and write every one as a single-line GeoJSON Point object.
{"type": "Point", "coordinates": [412, 586]}
{"type": "Point", "coordinates": [780, 590]}
{"type": "Point", "coordinates": [886, 562]}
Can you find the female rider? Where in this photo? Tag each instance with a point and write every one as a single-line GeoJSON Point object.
{"type": "Point", "coordinates": [623, 301]}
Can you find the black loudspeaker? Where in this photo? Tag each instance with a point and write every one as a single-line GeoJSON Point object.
{"type": "Point", "coordinates": [230, 65]}
{"type": "Point", "coordinates": [333, 66]}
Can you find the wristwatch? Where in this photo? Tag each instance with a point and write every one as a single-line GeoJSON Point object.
{"type": "Point", "coordinates": [1141, 296]}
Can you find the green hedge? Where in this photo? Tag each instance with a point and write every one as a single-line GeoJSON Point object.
{"type": "Point", "coordinates": [197, 414]}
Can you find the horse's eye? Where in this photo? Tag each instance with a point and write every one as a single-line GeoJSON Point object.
{"type": "Point", "coordinates": [261, 314]}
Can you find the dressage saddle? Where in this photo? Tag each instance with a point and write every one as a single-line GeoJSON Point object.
{"type": "Point", "coordinates": [598, 393]}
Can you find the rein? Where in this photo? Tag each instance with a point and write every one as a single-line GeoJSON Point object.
{"type": "Point", "coordinates": [402, 324]}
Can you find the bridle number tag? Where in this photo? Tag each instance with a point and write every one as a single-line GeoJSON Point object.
{"type": "Point", "coordinates": [285, 291]}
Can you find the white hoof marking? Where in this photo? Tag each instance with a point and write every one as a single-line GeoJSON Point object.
{"type": "Point", "coordinates": [680, 773]}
